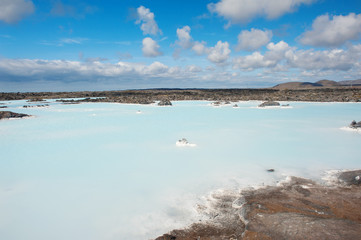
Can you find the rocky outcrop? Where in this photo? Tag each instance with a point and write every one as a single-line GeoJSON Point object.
{"type": "Point", "coordinates": [164, 103]}
{"type": "Point", "coordinates": [355, 125]}
{"type": "Point", "coordinates": [270, 104]}
{"type": "Point", "coordinates": [295, 209]}
{"type": "Point", "coordinates": [8, 114]}
{"type": "Point", "coordinates": [350, 178]}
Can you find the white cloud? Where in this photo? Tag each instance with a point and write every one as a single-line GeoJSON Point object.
{"type": "Point", "coordinates": [277, 52]}
{"type": "Point", "coordinates": [146, 19]}
{"type": "Point", "coordinates": [254, 39]}
{"type": "Point", "coordinates": [13, 11]}
{"type": "Point", "coordinates": [193, 68]}
{"type": "Point", "coordinates": [281, 57]}
{"type": "Point", "coordinates": [72, 40]}
{"type": "Point", "coordinates": [184, 37]}
{"type": "Point", "coordinates": [156, 68]}
{"type": "Point", "coordinates": [241, 11]}
{"type": "Point", "coordinates": [333, 32]}
{"type": "Point", "coordinates": [219, 54]}
{"type": "Point", "coordinates": [253, 61]}
{"type": "Point", "coordinates": [200, 48]}
{"type": "Point", "coordinates": [150, 48]}
{"type": "Point", "coordinates": [335, 59]}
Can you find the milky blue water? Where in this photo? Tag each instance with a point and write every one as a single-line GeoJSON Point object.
{"type": "Point", "coordinates": [104, 171]}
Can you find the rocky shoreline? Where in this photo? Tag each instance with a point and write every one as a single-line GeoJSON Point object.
{"type": "Point", "coordinates": [336, 94]}
{"type": "Point", "coordinates": [295, 209]}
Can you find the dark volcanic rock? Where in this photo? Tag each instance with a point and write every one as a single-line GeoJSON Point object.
{"type": "Point", "coordinates": [8, 114]}
{"type": "Point", "coordinates": [355, 124]}
{"type": "Point", "coordinates": [296, 209]}
{"type": "Point", "coordinates": [350, 177]}
{"type": "Point", "coordinates": [34, 106]}
{"type": "Point", "coordinates": [334, 94]}
{"type": "Point", "coordinates": [269, 104]}
{"type": "Point", "coordinates": [165, 103]}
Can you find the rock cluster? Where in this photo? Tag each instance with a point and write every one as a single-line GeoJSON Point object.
{"type": "Point", "coordinates": [296, 209]}
{"type": "Point", "coordinates": [164, 103]}
{"type": "Point", "coordinates": [8, 114]}
{"type": "Point", "coordinates": [269, 104]}
{"type": "Point", "coordinates": [33, 106]}
{"type": "Point", "coordinates": [355, 124]}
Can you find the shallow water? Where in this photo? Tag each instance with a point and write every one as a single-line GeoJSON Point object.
{"type": "Point", "coordinates": [100, 171]}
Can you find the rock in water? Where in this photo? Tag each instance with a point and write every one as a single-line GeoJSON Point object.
{"type": "Point", "coordinates": [269, 104]}
{"type": "Point", "coordinates": [165, 103]}
{"type": "Point", "coordinates": [8, 114]}
{"type": "Point", "coordinates": [355, 124]}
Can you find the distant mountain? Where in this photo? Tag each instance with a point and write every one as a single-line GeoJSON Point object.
{"type": "Point", "coordinates": [351, 82]}
{"type": "Point", "coordinates": [319, 84]}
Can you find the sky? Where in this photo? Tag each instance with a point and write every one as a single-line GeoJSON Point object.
{"type": "Point", "coordinates": [63, 45]}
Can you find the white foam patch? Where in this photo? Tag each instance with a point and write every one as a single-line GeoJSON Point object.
{"type": "Point", "coordinates": [349, 129]}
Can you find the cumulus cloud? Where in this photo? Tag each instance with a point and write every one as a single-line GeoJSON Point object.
{"type": "Point", "coordinates": [200, 48]}
{"type": "Point", "coordinates": [184, 37]}
{"type": "Point", "coordinates": [281, 57]}
{"type": "Point", "coordinates": [254, 39]}
{"type": "Point", "coordinates": [146, 19]}
{"type": "Point", "coordinates": [253, 61]}
{"type": "Point", "coordinates": [333, 32]}
{"type": "Point", "coordinates": [241, 11]}
{"type": "Point", "coordinates": [219, 54]}
{"type": "Point", "coordinates": [13, 11]}
{"type": "Point", "coordinates": [335, 59]}
{"type": "Point", "coordinates": [150, 48]}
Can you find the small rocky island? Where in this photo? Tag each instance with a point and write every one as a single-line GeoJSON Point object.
{"type": "Point", "coordinates": [8, 114]}
{"type": "Point", "coordinates": [165, 103]}
{"type": "Point", "coordinates": [295, 209]}
{"type": "Point", "coordinates": [270, 104]}
{"type": "Point", "coordinates": [355, 125]}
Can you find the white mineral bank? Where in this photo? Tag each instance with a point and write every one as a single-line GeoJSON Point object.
{"type": "Point", "coordinates": [98, 171]}
{"type": "Point", "coordinates": [184, 143]}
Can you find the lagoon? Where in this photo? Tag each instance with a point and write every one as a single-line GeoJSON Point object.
{"type": "Point", "coordinates": [102, 171]}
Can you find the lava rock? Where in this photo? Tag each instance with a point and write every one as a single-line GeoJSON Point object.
{"type": "Point", "coordinates": [355, 124]}
{"type": "Point", "coordinates": [350, 177]}
{"type": "Point", "coordinates": [269, 104]}
{"type": "Point", "coordinates": [8, 114]}
{"type": "Point", "coordinates": [165, 103]}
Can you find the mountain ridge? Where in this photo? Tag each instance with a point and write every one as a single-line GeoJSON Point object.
{"type": "Point", "coordinates": [319, 84]}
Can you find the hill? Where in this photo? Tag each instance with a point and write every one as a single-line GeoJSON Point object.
{"type": "Point", "coordinates": [319, 84]}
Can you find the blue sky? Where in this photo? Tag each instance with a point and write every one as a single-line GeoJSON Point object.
{"type": "Point", "coordinates": [60, 45]}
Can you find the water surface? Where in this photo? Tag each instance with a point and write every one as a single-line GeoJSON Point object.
{"type": "Point", "coordinates": [104, 171]}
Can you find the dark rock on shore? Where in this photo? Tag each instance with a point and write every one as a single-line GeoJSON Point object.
{"type": "Point", "coordinates": [164, 103]}
{"type": "Point", "coordinates": [296, 209]}
{"type": "Point", "coordinates": [355, 124]}
{"type": "Point", "coordinates": [8, 114]}
{"type": "Point", "coordinates": [269, 104]}
{"type": "Point", "coordinates": [350, 178]}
